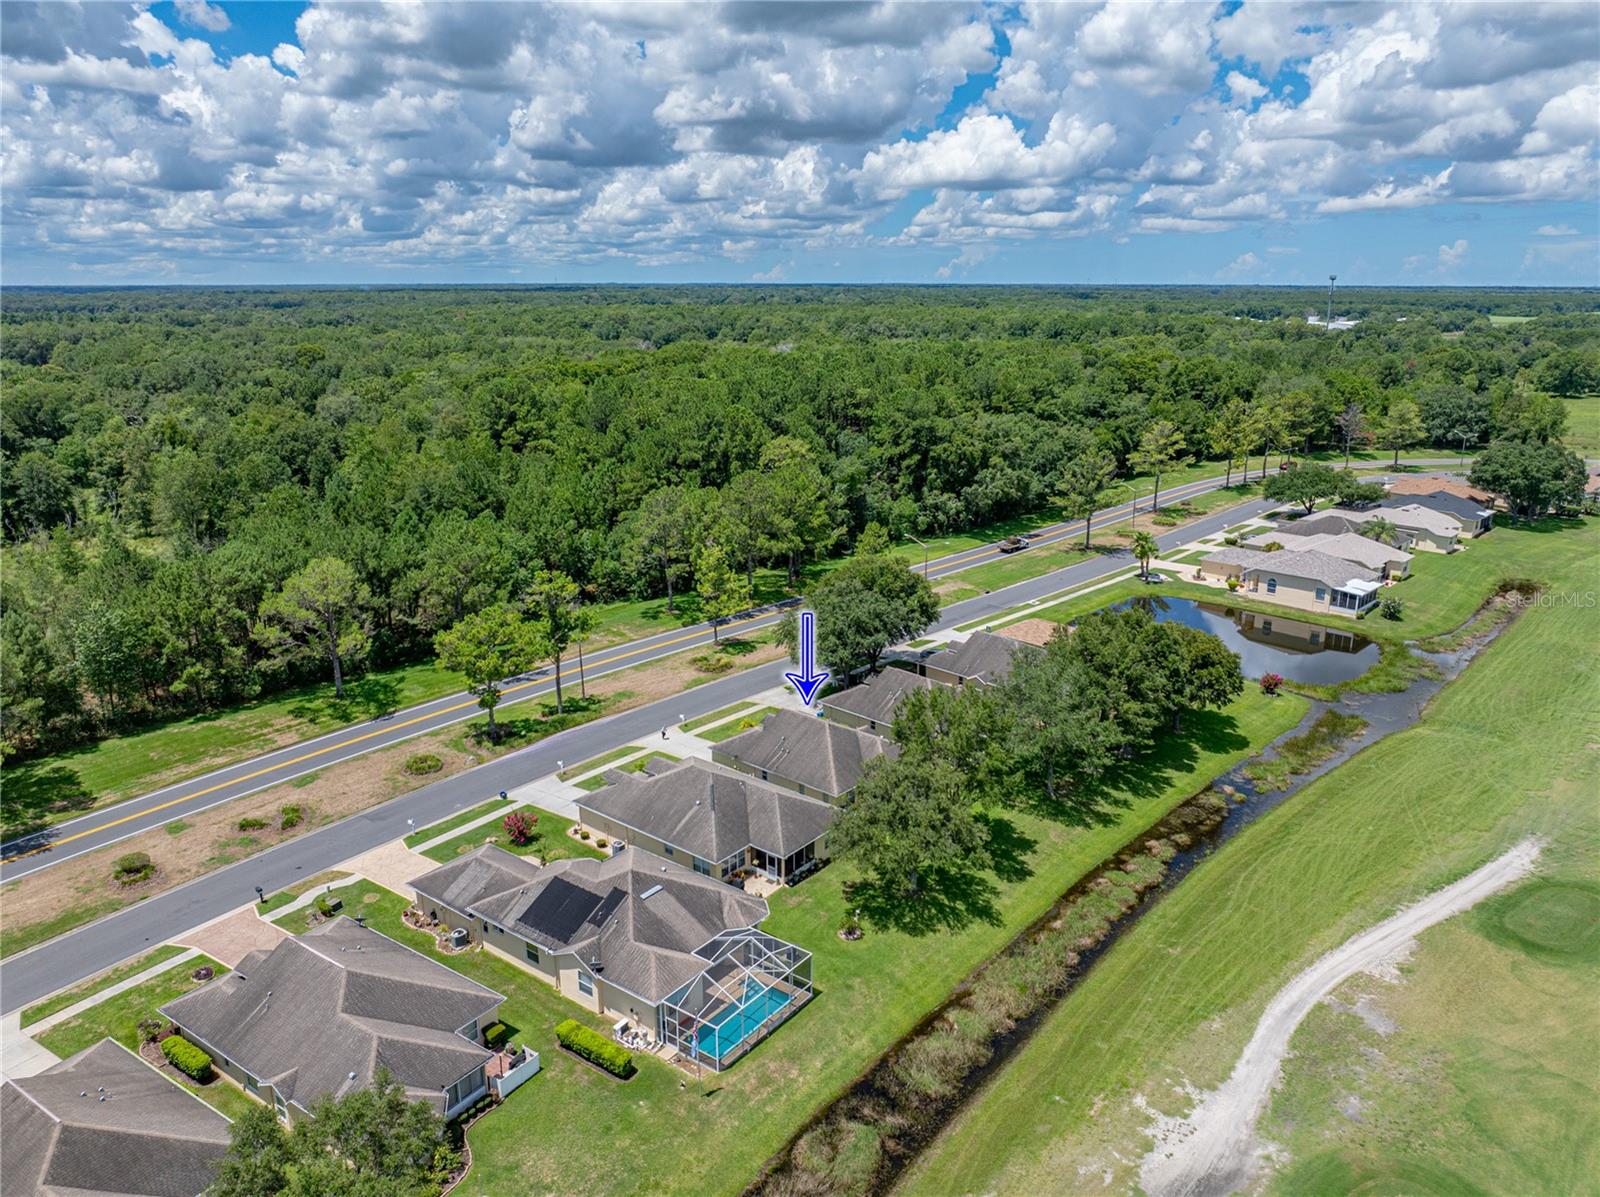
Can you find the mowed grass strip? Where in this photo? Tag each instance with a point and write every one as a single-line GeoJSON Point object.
{"type": "Point", "coordinates": [869, 993]}
{"type": "Point", "coordinates": [550, 840]}
{"type": "Point", "coordinates": [434, 830]}
{"type": "Point", "coordinates": [1505, 751]}
{"type": "Point", "coordinates": [70, 997]}
{"type": "Point", "coordinates": [605, 758]}
{"type": "Point", "coordinates": [715, 716]}
{"type": "Point", "coordinates": [734, 727]}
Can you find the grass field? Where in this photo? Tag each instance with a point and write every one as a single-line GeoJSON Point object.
{"type": "Point", "coordinates": [1488, 1083]}
{"type": "Point", "coordinates": [550, 840]}
{"type": "Point", "coordinates": [434, 830]}
{"type": "Point", "coordinates": [118, 1018]}
{"type": "Point", "coordinates": [71, 997]}
{"type": "Point", "coordinates": [868, 994]}
{"type": "Point", "coordinates": [1583, 426]}
{"type": "Point", "coordinates": [734, 727]}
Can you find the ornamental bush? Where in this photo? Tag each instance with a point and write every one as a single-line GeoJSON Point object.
{"type": "Point", "coordinates": [251, 823]}
{"type": "Point", "coordinates": [423, 763]}
{"type": "Point", "coordinates": [591, 1045]}
{"type": "Point", "coordinates": [519, 827]}
{"type": "Point", "coordinates": [1392, 608]}
{"type": "Point", "coordinates": [186, 1057]}
{"type": "Point", "coordinates": [289, 816]}
{"type": "Point", "coordinates": [133, 868]}
{"type": "Point", "coordinates": [1271, 683]}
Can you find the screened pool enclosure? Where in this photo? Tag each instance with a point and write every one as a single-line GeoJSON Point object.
{"type": "Point", "coordinates": [751, 984]}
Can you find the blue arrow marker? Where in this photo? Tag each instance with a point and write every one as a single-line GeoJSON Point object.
{"type": "Point", "coordinates": [809, 680]}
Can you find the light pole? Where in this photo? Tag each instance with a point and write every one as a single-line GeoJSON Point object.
{"type": "Point", "coordinates": [924, 545]}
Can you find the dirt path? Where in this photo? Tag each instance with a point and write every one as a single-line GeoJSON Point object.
{"type": "Point", "coordinates": [1214, 1150]}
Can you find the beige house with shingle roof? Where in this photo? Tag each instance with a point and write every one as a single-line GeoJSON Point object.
{"type": "Point", "coordinates": [319, 1014]}
{"type": "Point", "coordinates": [1347, 546]}
{"type": "Point", "coordinates": [103, 1123]}
{"type": "Point", "coordinates": [871, 705]}
{"type": "Point", "coordinates": [635, 937]}
{"type": "Point", "coordinates": [1305, 579]}
{"type": "Point", "coordinates": [982, 657]}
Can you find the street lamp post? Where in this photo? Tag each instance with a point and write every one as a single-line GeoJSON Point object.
{"type": "Point", "coordinates": [924, 545]}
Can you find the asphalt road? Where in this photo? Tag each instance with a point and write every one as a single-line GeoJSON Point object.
{"type": "Point", "coordinates": [39, 971]}
{"type": "Point", "coordinates": [97, 829]}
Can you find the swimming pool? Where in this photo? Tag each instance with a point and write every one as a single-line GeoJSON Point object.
{"type": "Point", "coordinates": [734, 1024]}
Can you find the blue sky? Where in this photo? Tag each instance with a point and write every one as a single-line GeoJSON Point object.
{"type": "Point", "coordinates": [1125, 143]}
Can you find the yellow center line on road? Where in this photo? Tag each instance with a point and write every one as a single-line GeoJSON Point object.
{"type": "Point", "coordinates": [1121, 510]}
{"type": "Point", "coordinates": [364, 736]}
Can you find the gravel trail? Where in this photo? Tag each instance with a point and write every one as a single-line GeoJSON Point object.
{"type": "Point", "coordinates": [1214, 1150]}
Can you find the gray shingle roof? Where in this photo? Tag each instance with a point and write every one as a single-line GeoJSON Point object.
{"type": "Point", "coordinates": [712, 812]}
{"type": "Point", "coordinates": [600, 909]}
{"type": "Point", "coordinates": [1348, 546]}
{"type": "Point", "coordinates": [1464, 510]}
{"type": "Point", "coordinates": [479, 874]}
{"type": "Point", "coordinates": [822, 756]}
{"type": "Point", "coordinates": [984, 657]}
{"type": "Point", "coordinates": [1294, 563]}
{"type": "Point", "coordinates": [148, 1137]}
{"type": "Point", "coordinates": [1329, 523]}
{"type": "Point", "coordinates": [340, 999]}
{"type": "Point", "coordinates": [878, 697]}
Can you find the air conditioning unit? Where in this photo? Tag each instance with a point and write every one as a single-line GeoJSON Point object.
{"type": "Point", "coordinates": [459, 937]}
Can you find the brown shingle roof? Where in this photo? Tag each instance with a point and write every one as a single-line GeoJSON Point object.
{"type": "Point", "coordinates": [1428, 486]}
{"type": "Point", "coordinates": [822, 756]}
{"type": "Point", "coordinates": [338, 1000]}
{"type": "Point", "coordinates": [983, 657]}
{"type": "Point", "coordinates": [878, 697]}
{"type": "Point", "coordinates": [712, 812]}
{"type": "Point", "coordinates": [1038, 632]}
{"type": "Point", "coordinates": [147, 1137]}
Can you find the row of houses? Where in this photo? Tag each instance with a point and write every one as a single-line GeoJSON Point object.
{"type": "Point", "coordinates": [1330, 562]}
{"type": "Point", "coordinates": [663, 936]}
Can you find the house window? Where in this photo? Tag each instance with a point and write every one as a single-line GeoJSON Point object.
{"type": "Point", "coordinates": [1266, 627]}
{"type": "Point", "coordinates": [668, 847]}
{"type": "Point", "coordinates": [251, 1083]}
{"type": "Point", "coordinates": [701, 866]}
{"type": "Point", "coordinates": [763, 775]}
{"type": "Point", "coordinates": [1316, 637]}
{"type": "Point", "coordinates": [585, 984]}
{"type": "Point", "coordinates": [281, 1106]}
{"type": "Point", "coordinates": [1272, 585]}
{"type": "Point", "coordinates": [1322, 594]}
{"type": "Point", "coordinates": [532, 953]}
{"type": "Point", "coordinates": [486, 926]}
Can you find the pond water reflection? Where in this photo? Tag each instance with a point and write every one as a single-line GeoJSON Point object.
{"type": "Point", "coordinates": [1300, 651]}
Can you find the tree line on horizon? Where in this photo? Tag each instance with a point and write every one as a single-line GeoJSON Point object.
{"type": "Point", "coordinates": [176, 461]}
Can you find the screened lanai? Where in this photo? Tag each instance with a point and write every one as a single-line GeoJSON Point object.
{"type": "Point", "coordinates": [752, 982]}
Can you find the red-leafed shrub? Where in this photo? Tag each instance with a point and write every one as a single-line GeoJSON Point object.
{"type": "Point", "coordinates": [519, 827]}
{"type": "Point", "coordinates": [1271, 683]}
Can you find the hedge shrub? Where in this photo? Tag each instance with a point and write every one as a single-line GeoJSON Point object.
{"type": "Point", "coordinates": [495, 1035]}
{"type": "Point", "coordinates": [186, 1057]}
{"type": "Point", "coordinates": [289, 816]}
{"type": "Point", "coordinates": [422, 763]}
{"type": "Point", "coordinates": [596, 1048]}
{"type": "Point", "coordinates": [251, 823]}
{"type": "Point", "coordinates": [133, 868]}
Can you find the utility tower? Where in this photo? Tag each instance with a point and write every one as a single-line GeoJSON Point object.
{"type": "Point", "coordinates": [1331, 278]}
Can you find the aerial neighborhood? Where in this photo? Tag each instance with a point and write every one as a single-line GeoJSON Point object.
{"type": "Point", "coordinates": [532, 663]}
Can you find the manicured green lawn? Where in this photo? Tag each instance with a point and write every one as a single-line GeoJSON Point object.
{"type": "Point", "coordinates": [1494, 1079]}
{"type": "Point", "coordinates": [616, 754]}
{"type": "Point", "coordinates": [357, 898]}
{"type": "Point", "coordinates": [725, 713]}
{"type": "Point", "coordinates": [118, 1016]}
{"type": "Point", "coordinates": [70, 997]}
{"type": "Point", "coordinates": [1583, 425]}
{"type": "Point", "coordinates": [16, 939]}
{"type": "Point", "coordinates": [550, 840]}
{"type": "Point", "coordinates": [868, 994]}
{"type": "Point", "coordinates": [734, 727]}
{"type": "Point", "coordinates": [637, 765]}
{"type": "Point", "coordinates": [434, 830]}
{"type": "Point", "coordinates": [289, 893]}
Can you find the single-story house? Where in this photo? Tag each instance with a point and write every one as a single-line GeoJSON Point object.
{"type": "Point", "coordinates": [636, 937]}
{"type": "Point", "coordinates": [103, 1123]}
{"type": "Point", "coordinates": [870, 705]}
{"type": "Point", "coordinates": [800, 752]}
{"type": "Point", "coordinates": [1389, 561]}
{"type": "Point", "coordinates": [1296, 635]}
{"type": "Point", "coordinates": [716, 820]}
{"type": "Point", "coordinates": [1332, 522]}
{"type": "Point", "coordinates": [1475, 518]}
{"type": "Point", "coordinates": [982, 657]}
{"type": "Point", "coordinates": [1424, 485]}
{"type": "Point", "coordinates": [1416, 527]}
{"type": "Point", "coordinates": [319, 1014]}
{"type": "Point", "coordinates": [1305, 579]}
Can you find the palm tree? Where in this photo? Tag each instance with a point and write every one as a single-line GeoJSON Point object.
{"type": "Point", "coordinates": [1144, 548]}
{"type": "Point", "coordinates": [1380, 530]}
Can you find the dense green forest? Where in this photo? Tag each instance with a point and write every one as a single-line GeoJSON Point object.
{"type": "Point", "coordinates": [173, 457]}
